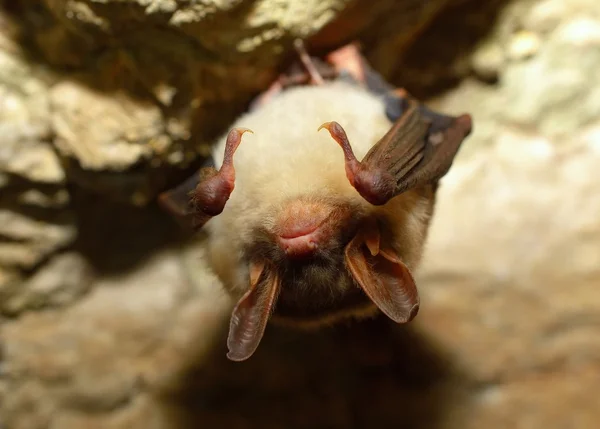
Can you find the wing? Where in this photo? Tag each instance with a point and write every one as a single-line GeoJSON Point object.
{"type": "Point", "coordinates": [418, 149]}
{"type": "Point", "coordinates": [178, 201]}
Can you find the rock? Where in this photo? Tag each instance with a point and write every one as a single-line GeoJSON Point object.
{"type": "Point", "coordinates": [157, 320]}
{"type": "Point", "coordinates": [24, 122]}
{"type": "Point", "coordinates": [531, 282]}
{"type": "Point", "coordinates": [523, 45]}
{"type": "Point", "coordinates": [104, 131]}
{"type": "Point", "coordinates": [516, 233]}
{"type": "Point", "coordinates": [27, 242]}
{"type": "Point", "coordinates": [31, 175]}
{"type": "Point", "coordinates": [24, 156]}
{"type": "Point", "coordinates": [118, 323]}
{"type": "Point", "coordinates": [488, 60]}
{"type": "Point", "coordinates": [151, 87]}
{"type": "Point", "coordinates": [56, 284]}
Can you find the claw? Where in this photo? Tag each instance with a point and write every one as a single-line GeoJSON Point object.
{"type": "Point", "coordinates": [373, 185]}
{"type": "Point", "coordinates": [339, 135]}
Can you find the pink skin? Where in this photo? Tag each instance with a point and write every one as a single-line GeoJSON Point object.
{"type": "Point", "coordinates": [302, 245]}
{"type": "Point", "coordinates": [304, 226]}
{"type": "Point", "coordinates": [212, 194]}
{"type": "Point", "coordinates": [346, 58]}
{"type": "Point", "coordinates": [299, 228]}
{"type": "Point", "coordinates": [375, 186]}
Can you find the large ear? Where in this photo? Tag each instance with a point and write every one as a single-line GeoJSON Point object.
{"type": "Point", "coordinates": [383, 277]}
{"type": "Point", "coordinates": [418, 149]}
{"type": "Point", "coordinates": [251, 314]}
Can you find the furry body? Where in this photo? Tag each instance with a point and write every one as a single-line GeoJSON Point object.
{"type": "Point", "coordinates": [286, 162]}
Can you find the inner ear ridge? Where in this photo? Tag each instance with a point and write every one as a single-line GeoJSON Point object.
{"type": "Point", "coordinates": [398, 300]}
{"type": "Point", "coordinates": [251, 314]}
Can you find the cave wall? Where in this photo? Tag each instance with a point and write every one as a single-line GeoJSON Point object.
{"type": "Point", "coordinates": [109, 318]}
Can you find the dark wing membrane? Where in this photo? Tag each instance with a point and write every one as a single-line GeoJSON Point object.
{"type": "Point", "coordinates": [439, 150]}
{"type": "Point", "coordinates": [419, 148]}
{"type": "Point", "coordinates": [177, 201]}
{"type": "Point", "coordinates": [401, 148]}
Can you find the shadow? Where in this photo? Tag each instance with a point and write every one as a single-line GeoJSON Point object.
{"type": "Point", "coordinates": [116, 237]}
{"type": "Point", "coordinates": [437, 60]}
{"type": "Point", "coordinates": [371, 374]}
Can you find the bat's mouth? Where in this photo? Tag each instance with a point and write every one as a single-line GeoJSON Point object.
{"type": "Point", "coordinates": [305, 227]}
{"type": "Point", "coordinates": [302, 245]}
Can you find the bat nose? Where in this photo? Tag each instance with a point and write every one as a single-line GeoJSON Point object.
{"type": "Point", "coordinates": [298, 247]}
{"type": "Point", "coordinates": [300, 228]}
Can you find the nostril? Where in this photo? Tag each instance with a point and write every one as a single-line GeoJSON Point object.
{"type": "Point", "coordinates": [299, 246]}
{"type": "Point", "coordinates": [305, 227]}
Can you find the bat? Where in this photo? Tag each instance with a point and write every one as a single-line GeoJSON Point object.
{"type": "Point", "coordinates": [319, 199]}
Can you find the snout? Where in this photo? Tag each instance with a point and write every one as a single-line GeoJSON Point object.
{"type": "Point", "coordinates": [304, 227]}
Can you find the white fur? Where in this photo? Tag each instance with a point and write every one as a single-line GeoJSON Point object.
{"type": "Point", "coordinates": [287, 157]}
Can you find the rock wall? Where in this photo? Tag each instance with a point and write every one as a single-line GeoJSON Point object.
{"type": "Point", "coordinates": [109, 318]}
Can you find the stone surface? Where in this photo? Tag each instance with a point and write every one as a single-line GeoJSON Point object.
{"type": "Point", "coordinates": [113, 132]}
{"type": "Point", "coordinates": [512, 271]}
{"type": "Point", "coordinates": [49, 286]}
{"type": "Point", "coordinates": [27, 241]}
{"type": "Point", "coordinates": [34, 219]}
{"type": "Point", "coordinates": [126, 327]}
{"type": "Point", "coordinates": [95, 362]}
{"type": "Point", "coordinates": [140, 87]}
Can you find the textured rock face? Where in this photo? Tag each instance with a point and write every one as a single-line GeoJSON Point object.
{"type": "Point", "coordinates": [142, 86]}
{"type": "Point", "coordinates": [35, 220]}
{"type": "Point", "coordinates": [109, 320]}
{"type": "Point", "coordinates": [513, 267]}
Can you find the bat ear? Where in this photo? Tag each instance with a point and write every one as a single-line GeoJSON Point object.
{"type": "Point", "coordinates": [251, 314]}
{"type": "Point", "coordinates": [381, 274]}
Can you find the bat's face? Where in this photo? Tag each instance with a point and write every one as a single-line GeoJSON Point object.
{"type": "Point", "coordinates": [305, 243]}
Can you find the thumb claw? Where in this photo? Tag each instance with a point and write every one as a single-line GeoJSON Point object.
{"type": "Point", "coordinates": [243, 130]}
{"type": "Point", "coordinates": [325, 125]}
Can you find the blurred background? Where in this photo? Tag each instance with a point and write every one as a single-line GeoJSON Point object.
{"type": "Point", "coordinates": [108, 316]}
